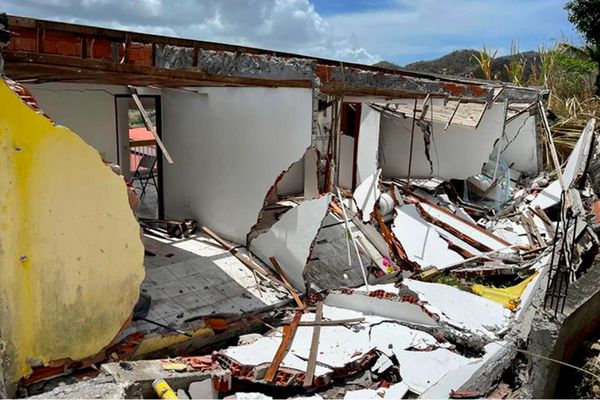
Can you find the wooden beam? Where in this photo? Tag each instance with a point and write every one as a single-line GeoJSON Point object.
{"type": "Point", "coordinates": [289, 331]}
{"type": "Point", "coordinates": [314, 347]}
{"type": "Point", "coordinates": [333, 323]}
{"type": "Point", "coordinates": [452, 116]}
{"type": "Point", "coordinates": [527, 230]}
{"type": "Point", "coordinates": [248, 263]}
{"type": "Point", "coordinates": [77, 66]}
{"type": "Point", "coordinates": [553, 153]}
{"type": "Point", "coordinates": [287, 284]}
{"type": "Point", "coordinates": [149, 124]}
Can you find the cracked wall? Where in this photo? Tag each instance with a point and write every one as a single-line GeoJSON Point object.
{"type": "Point", "coordinates": [456, 153]}
{"type": "Point", "coordinates": [70, 252]}
{"type": "Point", "coordinates": [229, 146]}
{"type": "Point", "coordinates": [519, 146]}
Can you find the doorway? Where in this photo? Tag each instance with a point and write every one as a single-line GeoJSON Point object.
{"type": "Point", "coordinates": [139, 156]}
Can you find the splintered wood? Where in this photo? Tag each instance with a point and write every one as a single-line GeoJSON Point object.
{"type": "Point", "coordinates": [286, 283]}
{"type": "Point", "coordinates": [289, 331]}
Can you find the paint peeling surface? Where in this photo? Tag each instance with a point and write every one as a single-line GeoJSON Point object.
{"type": "Point", "coordinates": [421, 240]}
{"type": "Point", "coordinates": [291, 238]}
{"type": "Point", "coordinates": [71, 255]}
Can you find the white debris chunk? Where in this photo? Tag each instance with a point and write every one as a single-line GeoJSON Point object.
{"type": "Point", "coordinates": [421, 241]}
{"type": "Point", "coordinates": [367, 194]}
{"type": "Point", "coordinates": [462, 310]}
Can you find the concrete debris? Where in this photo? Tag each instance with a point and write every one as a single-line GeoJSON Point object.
{"type": "Point", "coordinates": [366, 233]}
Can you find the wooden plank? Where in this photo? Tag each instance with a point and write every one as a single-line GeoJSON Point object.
{"type": "Point", "coordinates": [553, 152]}
{"type": "Point", "coordinates": [393, 245]}
{"type": "Point", "coordinates": [289, 331]}
{"type": "Point", "coordinates": [545, 219]}
{"type": "Point", "coordinates": [248, 263]}
{"type": "Point", "coordinates": [286, 282]}
{"type": "Point", "coordinates": [527, 230]}
{"type": "Point", "coordinates": [534, 229]}
{"type": "Point", "coordinates": [314, 347]}
{"type": "Point", "coordinates": [19, 63]}
{"type": "Point", "coordinates": [452, 116]}
{"type": "Point", "coordinates": [149, 124]}
{"type": "Point", "coordinates": [333, 323]}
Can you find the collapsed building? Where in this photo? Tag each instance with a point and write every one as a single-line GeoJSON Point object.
{"type": "Point", "coordinates": [364, 232]}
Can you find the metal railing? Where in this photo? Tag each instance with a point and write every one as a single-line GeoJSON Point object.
{"type": "Point", "coordinates": [138, 149]}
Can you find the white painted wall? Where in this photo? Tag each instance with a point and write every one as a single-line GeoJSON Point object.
{"type": "Point", "coordinates": [293, 180]}
{"type": "Point", "coordinates": [229, 146]}
{"type": "Point", "coordinates": [86, 109]}
{"type": "Point", "coordinates": [520, 145]}
{"type": "Point", "coordinates": [346, 161]}
{"type": "Point", "coordinates": [368, 144]}
{"type": "Point", "coordinates": [457, 153]}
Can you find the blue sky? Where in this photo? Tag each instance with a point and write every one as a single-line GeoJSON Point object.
{"type": "Point", "coordinates": [366, 31]}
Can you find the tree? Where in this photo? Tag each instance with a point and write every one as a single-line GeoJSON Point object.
{"type": "Point", "coordinates": [585, 15]}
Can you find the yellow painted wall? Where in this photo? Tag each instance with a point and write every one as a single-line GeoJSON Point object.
{"type": "Point", "coordinates": [71, 259]}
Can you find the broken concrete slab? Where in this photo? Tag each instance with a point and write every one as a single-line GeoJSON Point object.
{"type": "Point", "coordinates": [461, 310]}
{"type": "Point", "coordinates": [290, 239]}
{"type": "Point", "coordinates": [422, 243]}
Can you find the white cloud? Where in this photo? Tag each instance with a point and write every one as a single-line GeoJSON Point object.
{"type": "Point", "coordinates": [286, 25]}
{"type": "Point", "coordinates": [397, 30]}
{"type": "Point", "coordinates": [414, 28]}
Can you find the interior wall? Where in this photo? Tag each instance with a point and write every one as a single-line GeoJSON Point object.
{"type": "Point", "coordinates": [229, 146]}
{"type": "Point", "coordinates": [519, 145]}
{"type": "Point", "coordinates": [457, 153]}
{"type": "Point", "coordinates": [86, 109]}
{"type": "Point", "coordinates": [368, 144]}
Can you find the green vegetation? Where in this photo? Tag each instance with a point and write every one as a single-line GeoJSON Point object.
{"type": "Point", "coordinates": [585, 15]}
{"type": "Point", "coordinates": [451, 280]}
{"type": "Point", "coordinates": [485, 59]}
{"type": "Point", "coordinates": [136, 120]}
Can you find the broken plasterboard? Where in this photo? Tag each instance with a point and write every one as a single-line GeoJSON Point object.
{"type": "Point", "coordinates": [421, 241]}
{"type": "Point", "coordinates": [340, 346]}
{"type": "Point", "coordinates": [367, 194]}
{"type": "Point", "coordinates": [290, 239]}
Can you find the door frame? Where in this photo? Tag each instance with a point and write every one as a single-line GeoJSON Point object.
{"type": "Point", "coordinates": [159, 154]}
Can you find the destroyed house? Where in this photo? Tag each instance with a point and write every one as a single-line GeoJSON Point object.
{"type": "Point", "coordinates": [222, 190]}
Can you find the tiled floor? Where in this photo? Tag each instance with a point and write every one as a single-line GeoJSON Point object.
{"type": "Point", "coordinates": [193, 277]}
{"type": "Point", "coordinates": [148, 206]}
